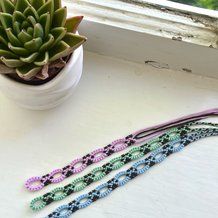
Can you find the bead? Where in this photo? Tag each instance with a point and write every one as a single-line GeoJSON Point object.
{"type": "Point", "coordinates": [158, 155]}
{"type": "Point", "coordinates": [69, 189]}
{"type": "Point", "coordinates": [57, 176]}
{"type": "Point", "coordinates": [119, 145]}
{"type": "Point", "coordinates": [96, 155]}
{"type": "Point", "coordinates": [80, 168]}
{"type": "Point", "coordinates": [82, 198]}
{"type": "Point", "coordinates": [37, 204]}
{"type": "Point", "coordinates": [64, 211]}
{"type": "Point", "coordinates": [135, 153]}
{"type": "Point", "coordinates": [173, 134]}
{"type": "Point", "coordinates": [176, 146]}
{"type": "Point", "coordinates": [30, 186]}
{"type": "Point", "coordinates": [116, 163]}
{"type": "Point", "coordinates": [153, 144]}
{"type": "Point", "coordinates": [59, 193]}
{"type": "Point", "coordinates": [119, 177]}
{"type": "Point", "coordinates": [98, 173]}
{"type": "Point", "coordinates": [104, 190]}
{"type": "Point", "coordinates": [141, 166]}
{"type": "Point", "coordinates": [79, 184]}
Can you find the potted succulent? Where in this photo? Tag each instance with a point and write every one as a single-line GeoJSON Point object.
{"type": "Point", "coordinates": [40, 52]}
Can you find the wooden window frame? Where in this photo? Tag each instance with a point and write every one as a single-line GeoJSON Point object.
{"type": "Point", "coordinates": [169, 34]}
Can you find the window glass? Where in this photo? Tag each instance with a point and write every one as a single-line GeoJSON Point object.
{"type": "Point", "coordinates": [209, 4]}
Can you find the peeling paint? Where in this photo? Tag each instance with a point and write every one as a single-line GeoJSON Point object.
{"type": "Point", "coordinates": [147, 33]}
{"type": "Point", "coordinates": [210, 23]}
{"type": "Point", "coordinates": [207, 21]}
{"type": "Point", "coordinates": [157, 64]}
{"type": "Point", "coordinates": [150, 17]}
{"type": "Point", "coordinates": [187, 70]}
{"type": "Point", "coordinates": [177, 38]}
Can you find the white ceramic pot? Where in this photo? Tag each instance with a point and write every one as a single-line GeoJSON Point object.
{"type": "Point", "coordinates": [50, 94]}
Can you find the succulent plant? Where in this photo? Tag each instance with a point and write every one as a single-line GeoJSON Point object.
{"type": "Point", "coordinates": [35, 34]}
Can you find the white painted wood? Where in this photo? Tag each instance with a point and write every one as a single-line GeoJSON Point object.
{"type": "Point", "coordinates": [178, 6]}
{"type": "Point", "coordinates": [114, 98]}
{"type": "Point", "coordinates": [141, 48]}
{"type": "Point", "coordinates": [175, 39]}
{"type": "Point", "coordinates": [157, 19]}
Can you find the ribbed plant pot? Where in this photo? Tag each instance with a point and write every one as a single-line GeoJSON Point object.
{"type": "Point", "coordinates": [50, 94]}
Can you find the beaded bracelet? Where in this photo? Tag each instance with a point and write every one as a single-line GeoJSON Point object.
{"type": "Point", "coordinates": [97, 155]}
{"type": "Point", "coordinates": [138, 168]}
{"type": "Point", "coordinates": [99, 172]}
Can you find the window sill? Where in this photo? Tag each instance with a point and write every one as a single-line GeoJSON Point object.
{"type": "Point", "coordinates": [113, 99]}
{"type": "Point", "coordinates": [154, 34]}
{"type": "Point", "coordinates": [159, 20]}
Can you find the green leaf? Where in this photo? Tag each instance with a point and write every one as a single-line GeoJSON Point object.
{"type": "Point", "coordinates": [16, 27]}
{"type": "Point", "coordinates": [12, 62]}
{"type": "Point", "coordinates": [58, 33]}
{"type": "Point", "coordinates": [25, 24]}
{"type": "Point", "coordinates": [63, 49]}
{"type": "Point", "coordinates": [12, 38]}
{"type": "Point", "coordinates": [60, 17]}
{"type": "Point", "coordinates": [30, 58]}
{"type": "Point", "coordinates": [47, 7]}
{"type": "Point", "coordinates": [6, 53]}
{"type": "Point", "coordinates": [31, 11]}
{"type": "Point", "coordinates": [3, 36]}
{"type": "Point", "coordinates": [30, 31]}
{"type": "Point", "coordinates": [59, 51]}
{"type": "Point", "coordinates": [47, 44]}
{"type": "Point", "coordinates": [18, 50]}
{"type": "Point", "coordinates": [28, 71]}
{"type": "Point", "coordinates": [73, 40]}
{"type": "Point", "coordinates": [18, 16]}
{"type": "Point", "coordinates": [73, 23]}
{"type": "Point", "coordinates": [37, 3]}
{"type": "Point", "coordinates": [32, 20]}
{"type": "Point", "coordinates": [42, 60]}
{"type": "Point", "coordinates": [7, 6]}
{"type": "Point", "coordinates": [38, 31]}
{"type": "Point", "coordinates": [21, 5]}
{"type": "Point", "coordinates": [6, 70]}
{"type": "Point", "coordinates": [57, 4]}
{"type": "Point", "coordinates": [33, 45]}
{"type": "Point", "coordinates": [6, 20]}
{"type": "Point", "coordinates": [24, 37]}
{"type": "Point", "coordinates": [45, 21]}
